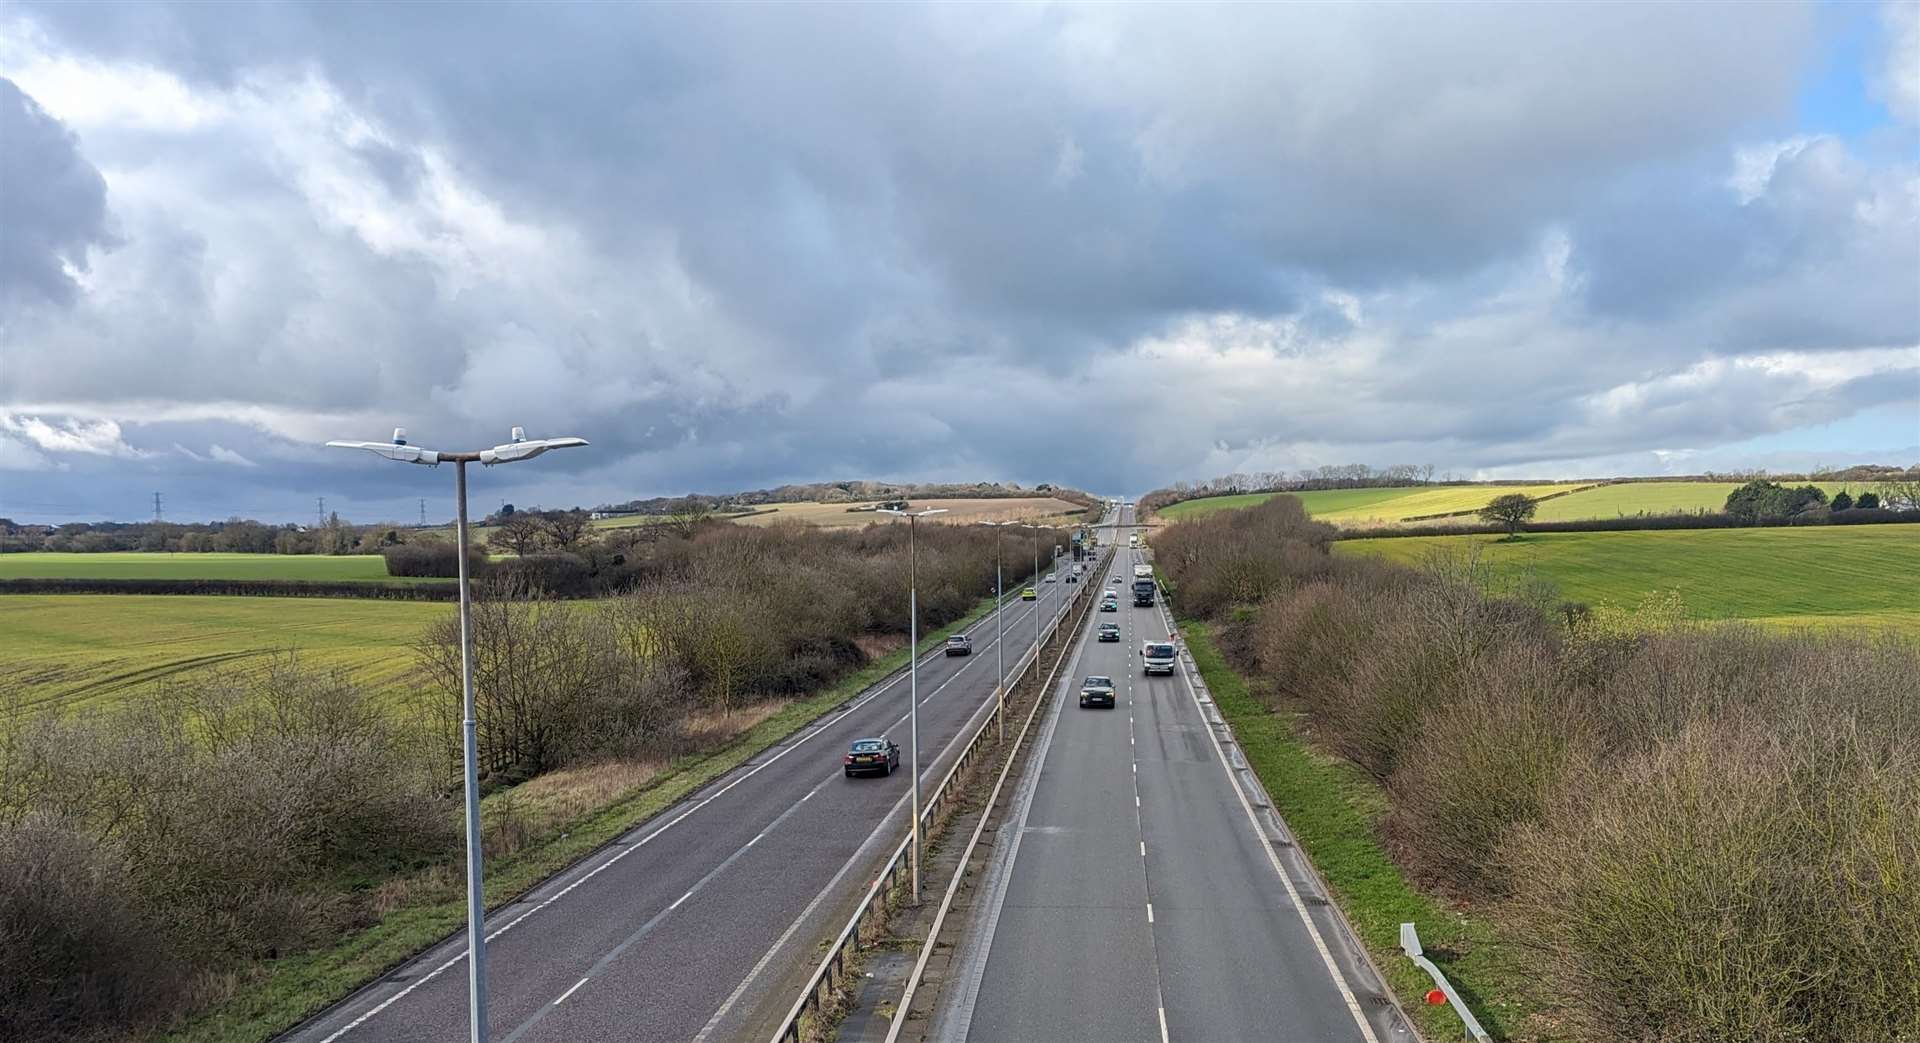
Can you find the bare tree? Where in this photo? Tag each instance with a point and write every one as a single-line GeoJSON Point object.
{"type": "Point", "coordinates": [518, 533]}
{"type": "Point", "coordinates": [566, 530]}
{"type": "Point", "coordinates": [687, 519]}
{"type": "Point", "coordinates": [1901, 494]}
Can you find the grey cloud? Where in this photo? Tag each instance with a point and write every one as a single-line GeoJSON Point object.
{"type": "Point", "coordinates": [735, 245]}
{"type": "Point", "coordinates": [1825, 255]}
{"type": "Point", "coordinates": [53, 203]}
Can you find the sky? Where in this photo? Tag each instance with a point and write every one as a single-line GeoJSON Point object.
{"type": "Point", "coordinates": [1112, 246]}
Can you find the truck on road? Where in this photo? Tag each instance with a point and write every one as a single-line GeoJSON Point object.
{"type": "Point", "coordinates": [1143, 572]}
{"type": "Point", "coordinates": [1142, 593]}
{"type": "Point", "coordinates": [1157, 657]}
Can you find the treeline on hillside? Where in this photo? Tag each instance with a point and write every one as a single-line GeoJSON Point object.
{"type": "Point", "coordinates": [1330, 476]}
{"type": "Point", "coordinates": [1898, 487]}
{"type": "Point", "coordinates": [844, 492]}
{"type": "Point", "coordinates": [235, 535]}
{"type": "Point", "coordinates": [1639, 523]}
{"type": "Point", "coordinates": [1702, 833]}
{"type": "Point", "coordinates": [153, 851]}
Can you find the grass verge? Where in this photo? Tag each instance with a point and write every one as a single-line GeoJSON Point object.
{"type": "Point", "coordinates": [1333, 810]}
{"type": "Point", "coordinates": [300, 986]}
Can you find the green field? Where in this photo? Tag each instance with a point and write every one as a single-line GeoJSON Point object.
{"type": "Point", "coordinates": [1629, 498]}
{"type": "Point", "coordinates": [87, 649]}
{"type": "Point", "coordinates": [1358, 508]}
{"type": "Point", "coordinates": [1362, 507]}
{"type": "Point", "coordinates": [1317, 502]}
{"type": "Point", "coordinates": [1856, 575]}
{"type": "Point", "coordinates": [145, 565]}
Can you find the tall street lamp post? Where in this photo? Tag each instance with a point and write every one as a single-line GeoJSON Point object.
{"type": "Point", "coordinates": [518, 449]}
{"type": "Point", "coordinates": [913, 679]}
{"type": "Point", "coordinates": [999, 644]}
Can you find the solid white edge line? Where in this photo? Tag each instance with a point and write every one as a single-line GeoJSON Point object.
{"type": "Point", "coordinates": [569, 992]}
{"type": "Point", "coordinates": [1260, 836]}
{"type": "Point", "coordinates": [880, 689]}
{"type": "Point", "coordinates": [1163, 1025]}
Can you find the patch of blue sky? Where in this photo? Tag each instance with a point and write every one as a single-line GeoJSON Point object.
{"type": "Point", "coordinates": [1835, 97]}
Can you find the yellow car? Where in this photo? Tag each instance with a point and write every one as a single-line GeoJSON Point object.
{"type": "Point", "coordinates": [1028, 594]}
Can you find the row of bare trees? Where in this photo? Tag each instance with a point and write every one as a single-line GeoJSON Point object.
{"type": "Point", "coordinates": [1700, 834]}
{"type": "Point", "coordinates": [713, 620]}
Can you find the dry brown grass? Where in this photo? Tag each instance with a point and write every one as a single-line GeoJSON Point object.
{"type": "Point", "coordinates": [711, 729]}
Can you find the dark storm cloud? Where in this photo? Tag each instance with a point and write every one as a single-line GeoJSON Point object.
{"type": "Point", "coordinates": [52, 204]}
{"type": "Point", "coordinates": [738, 244]}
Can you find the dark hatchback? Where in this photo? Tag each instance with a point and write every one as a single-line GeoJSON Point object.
{"type": "Point", "coordinates": [1109, 631]}
{"type": "Point", "coordinates": [868, 756]}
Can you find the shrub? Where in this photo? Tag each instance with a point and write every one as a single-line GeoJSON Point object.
{"type": "Point", "coordinates": [433, 559]}
{"type": "Point", "coordinates": [1763, 499]}
{"type": "Point", "coordinates": [1740, 882]}
{"type": "Point", "coordinates": [1477, 768]}
{"type": "Point", "coordinates": [81, 955]}
{"type": "Point", "coordinates": [551, 573]}
{"type": "Point", "coordinates": [203, 825]}
{"type": "Point", "coordinates": [1707, 832]}
{"type": "Point", "coordinates": [1435, 627]}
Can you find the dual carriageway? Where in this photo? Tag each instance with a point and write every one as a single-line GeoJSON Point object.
{"type": "Point", "coordinates": [1136, 894]}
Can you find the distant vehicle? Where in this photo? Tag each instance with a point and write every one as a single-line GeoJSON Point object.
{"type": "Point", "coordinates": [872, 755]}
{"type": "Point", "coordinates": [1028, 594]}
{"type": "Point", "coordinates": [1143, 572]}
{"type": "Point", "coordinates": [959, 644]}
{"type": "Point", "coordinates": [1109, 631]}
{"type": "Point", "coordinates": [1071, 578]}
{"type": "Point", "coordinates": [1142, 593]}
{"type": "Point", "coordinates": [1110, 605]}
{"type": "Point", "coordinates": [1133, 539]}
{"type": "Point", "coordinates": [1112, 593]}
{"type": "Point", "coordinates": [1157, 657]}
{"type": "Point", "coordinates": [1097, 691]}
{"type": "Point", "coordinates": [1053, 577]}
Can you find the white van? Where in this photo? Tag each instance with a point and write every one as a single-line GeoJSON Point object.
{"type": "Point", "coordinates": [1157, 657]}
{"type": "Point", "coordinates": [1133, 539]}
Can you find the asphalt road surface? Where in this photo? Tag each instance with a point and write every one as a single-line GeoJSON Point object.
{"type": "Point", "coordinates": [1134, 895]}
{"type": "Point", "coordinates": [689, 926]}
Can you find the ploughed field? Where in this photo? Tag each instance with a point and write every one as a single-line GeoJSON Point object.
{"type": "Point", "coordinates": [92, 650]}
{"type": "Point", "coordinates": [1827, 576]}
{"type": "Point", "coordinates": [1359, 508]}
{"type": "Point", "coordinates": [350, 568]}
